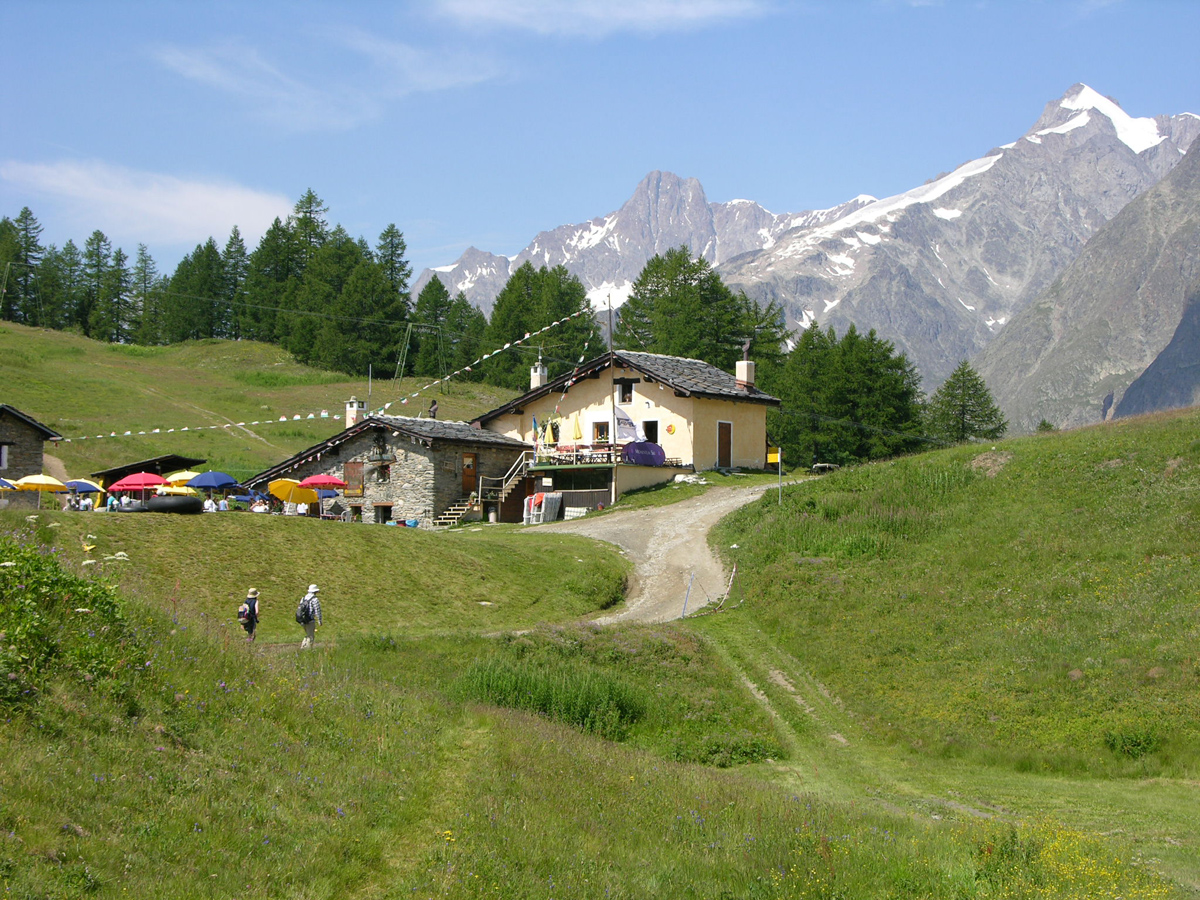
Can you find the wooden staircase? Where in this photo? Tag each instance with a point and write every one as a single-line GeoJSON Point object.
{"type": "Point", "coordinates": [453, 514]}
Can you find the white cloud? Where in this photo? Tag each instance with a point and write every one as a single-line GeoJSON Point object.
{"type": "Point", "coordinates": [390, 70]}
{"type": "Point", "coordinates": [596, 18]}
{"type": "Point", "coordinates": [410, 70]}
{"type": "Point", "coordinates": [147, 207]}
{"type": "Point", "coordinates": [241, 71]}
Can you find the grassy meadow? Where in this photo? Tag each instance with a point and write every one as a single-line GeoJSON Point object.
{"type": "Point", "coordinates": [82, 389]}
{"type": "Point", "coordinates": [966, 674]}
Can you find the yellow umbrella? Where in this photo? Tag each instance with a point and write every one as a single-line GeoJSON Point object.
{"type": "Point", "coordinates": [175, 490]}
{"type": "Point", "coordinates": [181, 477]}
{"type": "Point", "coordinates": [578, 434]}
{"type": "Point", "coordinates": [44, 484]}
{"type": "Point", "coordinates": [289, 491]}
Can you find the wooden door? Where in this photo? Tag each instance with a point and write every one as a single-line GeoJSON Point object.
{"type": "Point", "coordinates": [468, 473]}
{"type": "Point", "coordinates": [724, 445]}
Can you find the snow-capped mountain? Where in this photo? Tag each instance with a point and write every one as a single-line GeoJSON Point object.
{"type": "Point", "coordinates": [1116, 333]}
{"type": "Point", "coordinates": [938, 269]}
{"type": "Point", "coordinates": [941, 268]}
{"type": "Point", "coordinates": [609, 252]}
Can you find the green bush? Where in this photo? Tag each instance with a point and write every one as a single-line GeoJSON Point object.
{"type": "Point", "coordinates": [54, 623]}
{"type": "Point", "coordinates": [1133, 741]}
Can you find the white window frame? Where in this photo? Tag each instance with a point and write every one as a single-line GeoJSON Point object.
{"type": "Point", "coordinates": [3, 456]}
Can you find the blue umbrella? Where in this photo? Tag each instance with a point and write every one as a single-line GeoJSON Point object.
{"type": "Point", "coordinates": [6, 486]}
{"type": "Point", "coordinates": [249, 497]}
{"type": "Point", "coordinates": [83, 486]}
{"type": "Point", "coordinates": [212, 480]}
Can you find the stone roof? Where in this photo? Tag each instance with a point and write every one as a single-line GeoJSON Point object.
{"type": "Point", "coordinates": [47, 433]}
{"type": "Point", "coordinates": [692, 376]}
{"type": "Point", "coordinates": [447, 430]}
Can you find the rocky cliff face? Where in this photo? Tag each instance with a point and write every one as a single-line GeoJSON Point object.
{"type": "Point", "coordinates": [1109, 315]}
{"type": "Point", "coordinates": [942, 268]}
{"type": "Point", "coordinates": [1173, 379]}
{"type": "Point", "coordinates": [608, 253]}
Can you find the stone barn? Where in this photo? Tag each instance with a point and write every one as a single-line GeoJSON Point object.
{"type": "Point", "coordinates": [399, 468]}
{"type": "Point", "coordinates": [22, 444]}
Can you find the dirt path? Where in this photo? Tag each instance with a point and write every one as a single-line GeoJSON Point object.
{"type": "Point", "coordinates": [668, 546]}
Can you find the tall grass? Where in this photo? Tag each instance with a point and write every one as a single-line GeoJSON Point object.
{"type": "Point", "coordinates": [594, 702]}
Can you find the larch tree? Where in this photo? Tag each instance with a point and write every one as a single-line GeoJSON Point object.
{"type": "Point", "coordinates": [962, 409]}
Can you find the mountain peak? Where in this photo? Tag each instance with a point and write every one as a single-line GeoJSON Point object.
{"type": "Point", "coordinates": [1137, 134]}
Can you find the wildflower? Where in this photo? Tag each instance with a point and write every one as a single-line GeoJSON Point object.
{"type": "Point", "coordinates": [7, 564]}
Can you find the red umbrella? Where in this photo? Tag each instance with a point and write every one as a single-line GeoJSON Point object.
{"type": "Point", "coordinates": [138, 481]}
{"type": "Point", "coordinates": [320, 481]}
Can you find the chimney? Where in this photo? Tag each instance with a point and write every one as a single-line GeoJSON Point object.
{"type": "Point", "coordinates": [538, 375]}
{"type": "Point", "coordinates": [355, 409]}
{"type": "Point", "coordinates": [744, 375]}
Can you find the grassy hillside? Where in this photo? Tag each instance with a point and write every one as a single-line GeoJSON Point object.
{"type": "Point", "coordinates": [141, 756]}
{"type": "Point", "coordinates": [969, 674]}
{"type": "Point", "coordinates": [82, 388]}
{"type": "Point", "coordinates": [1026, 614]}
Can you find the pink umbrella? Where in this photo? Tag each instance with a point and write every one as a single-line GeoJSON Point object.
{"type": "Point", "coordinates": [320, 481]}
{"type": "Point", "coordinates": [138, 481]}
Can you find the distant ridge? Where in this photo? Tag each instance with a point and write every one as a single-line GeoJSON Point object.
{"type": "Point", "coordinates": [1109, 315]}
{"type": "Point", "coordinates": [939, 270]}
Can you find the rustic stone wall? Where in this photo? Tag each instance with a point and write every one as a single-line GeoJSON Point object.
{"type": "Point", "coordinates": [421, 482]}
{"type": "Point", "coordinates": [24, 457]}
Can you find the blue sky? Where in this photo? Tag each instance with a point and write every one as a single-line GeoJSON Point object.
{"type": "Point", "coordinates": [474, 122]}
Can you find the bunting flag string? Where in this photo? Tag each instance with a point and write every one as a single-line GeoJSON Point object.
{"type": "Point", "coordinates": [529, 335]}
{"type": "Point", "coordinates": [324, 414]}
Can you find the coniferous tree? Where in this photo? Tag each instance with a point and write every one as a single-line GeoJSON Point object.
{"type": "Point", "coordinates": [432, 342]}
{"type": "Point", "coordinates": [531, 299]}
{"type": "Point", "coordinates": [148, 298]}
{"type": "Point", "coordinates": [846, 400]}
{"type": "Point", "coordinates": [24, 271]}
{"type": "Point", "coordinates": [354, 336]}
{"type": "Point", "coordinates": [97, 256]}
{"type": "Point", "coordinates": [389, 253]}
{"type": "Point", "coordinates": [272, 280]}
{"type": "Point", "coordinates": [194, 307]}
{"type": "Point", "coordinates": [309, 226]}
{"type": "Point", "coordinates": [465, 326]}
{"type": "Point", "coordinates": [321, 284]}
{"type": "Point", "coordinates": [235, 263]}
{"type": "Point", "coordinates": [9, 254]}
{"type": "Point", "coordinates": [962, 409]}
{"type": "Point", "coordinates": [679, 306]}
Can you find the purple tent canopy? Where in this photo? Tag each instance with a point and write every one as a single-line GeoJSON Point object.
{"type": "Point", "coordinates": [644, 453]}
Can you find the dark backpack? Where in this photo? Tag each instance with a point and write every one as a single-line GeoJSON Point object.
{"type": "Point", "coordinates": [243, 614]}
{"type": "Point", "coordinates": [303, 612]}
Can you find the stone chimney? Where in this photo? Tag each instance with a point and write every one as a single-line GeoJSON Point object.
{"type": "Point", "coordinates": [538, 375]}
{"type": "Point", "coordinates": [355, 410]}
{"type": "Point", "coordinates": [744, 375]}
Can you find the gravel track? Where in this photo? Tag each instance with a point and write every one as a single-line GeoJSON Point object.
{"type": "Point", "coordinates": [668, 546]}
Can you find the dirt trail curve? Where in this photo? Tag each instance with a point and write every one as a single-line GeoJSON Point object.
{"type": "Point", "coordinates": [667, 545]}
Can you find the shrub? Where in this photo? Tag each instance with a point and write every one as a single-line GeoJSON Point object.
{"type": "Point", "coordinates": [1133, 741]}
{"type": "Point", "coordinates": [53, 623]}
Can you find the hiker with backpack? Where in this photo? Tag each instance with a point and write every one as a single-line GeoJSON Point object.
{"type": "Point", "coordinates": [308, 614]}
{"type": "Point", "coordinates": [247, 614]}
